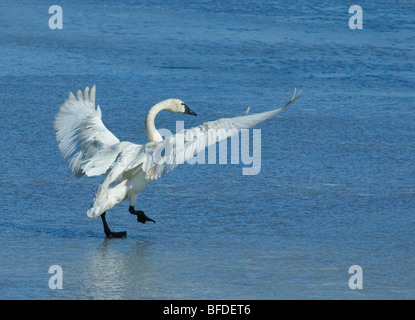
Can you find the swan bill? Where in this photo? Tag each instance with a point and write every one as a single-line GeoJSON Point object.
{"type": "Point", "coordinates": [188, 111]}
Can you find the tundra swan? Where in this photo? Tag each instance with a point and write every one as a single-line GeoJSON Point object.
{"type": "Point", "coordinates": [90, 149]}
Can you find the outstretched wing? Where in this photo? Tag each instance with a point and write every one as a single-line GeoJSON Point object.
{"type": "Point", "coordinates": [85, 143]}
{"type": "Point", "coordinates": [156, 159]}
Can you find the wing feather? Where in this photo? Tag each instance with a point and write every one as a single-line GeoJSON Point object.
{"type": "Point", "coordinates": [82, 136]}
{"type": "Point", "coordinates": [159, 158]}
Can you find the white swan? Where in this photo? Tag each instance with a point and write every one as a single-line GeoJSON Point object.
{"type": "Point", "coordinates": [90, 149]}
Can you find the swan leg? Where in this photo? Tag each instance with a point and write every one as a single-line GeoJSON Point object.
{"type": "Point", "coordinates": [141, 217]}
{"type": "Point", "coordinates": [109, 233]}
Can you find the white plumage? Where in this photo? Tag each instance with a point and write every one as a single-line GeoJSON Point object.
{"type": "Point", "coordinates": [90, 149]}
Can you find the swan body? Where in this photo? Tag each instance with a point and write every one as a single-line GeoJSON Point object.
{"type": "Point", "coordinates": [90, 149]}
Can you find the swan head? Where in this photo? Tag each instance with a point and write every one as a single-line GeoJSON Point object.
{"type": "Point", "coordinates": [177, 106]}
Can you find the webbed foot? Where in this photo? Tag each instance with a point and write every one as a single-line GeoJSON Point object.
{"type": "Point", "coordinates": [109, 233]}
{"type": "Point", "coordinates": [141, 216]}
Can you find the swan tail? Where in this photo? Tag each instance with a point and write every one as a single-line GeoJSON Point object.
{"type": "Point", "coordinates": [105, 199]}
{"type": "Point", "coordinates": [95, 212]}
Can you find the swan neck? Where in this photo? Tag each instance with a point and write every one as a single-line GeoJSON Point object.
{"type": "Point", "coordinates": [152, 133]}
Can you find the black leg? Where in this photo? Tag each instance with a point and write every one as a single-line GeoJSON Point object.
{"type": "Point", "coordinates": [141, 217]}
{"type": "Point", "coordinates": [109, 233]}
